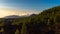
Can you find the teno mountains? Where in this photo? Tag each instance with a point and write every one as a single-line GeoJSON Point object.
{"type": "Point", "coordinates": [17, 16]}
{"type": "Point", "coordinates": [12, 16]}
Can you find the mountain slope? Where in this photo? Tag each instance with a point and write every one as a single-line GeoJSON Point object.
{"type": "Point", "coordinates": [52, 14]}
{"type": "Point", "coordinates": [47, 22]}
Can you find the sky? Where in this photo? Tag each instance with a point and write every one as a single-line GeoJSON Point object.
{"type": "Point", "coordinates": [26, 6]}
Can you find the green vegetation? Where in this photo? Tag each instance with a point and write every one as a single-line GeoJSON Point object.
{"type": "Point", "coordinates": [17, 31]}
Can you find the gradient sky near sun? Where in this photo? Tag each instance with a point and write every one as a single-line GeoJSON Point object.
{"type": "Point", "coordinates": [25, 6]}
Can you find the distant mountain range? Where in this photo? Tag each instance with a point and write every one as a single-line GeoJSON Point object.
{"type": "Point", "coordinates": [17, 16]}
{"type": "Point", "coordinates": [12, 16]}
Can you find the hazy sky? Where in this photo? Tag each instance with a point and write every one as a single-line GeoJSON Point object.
{"type": "Point", "coordinates": [27, 5]}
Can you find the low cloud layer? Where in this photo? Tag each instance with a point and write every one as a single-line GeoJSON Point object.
{"type": "Point", "coordinates": [7, 12]}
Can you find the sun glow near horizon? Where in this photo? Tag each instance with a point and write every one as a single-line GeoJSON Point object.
{"type": "Point", "coordinates": [7, 12]}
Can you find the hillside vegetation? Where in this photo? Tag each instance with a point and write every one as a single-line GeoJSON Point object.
{"type": "Point", "coordinates": [47, 22]}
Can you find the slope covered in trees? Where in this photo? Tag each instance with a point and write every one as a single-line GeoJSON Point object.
{"type": "Point", "coordinates": [47, 22]}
